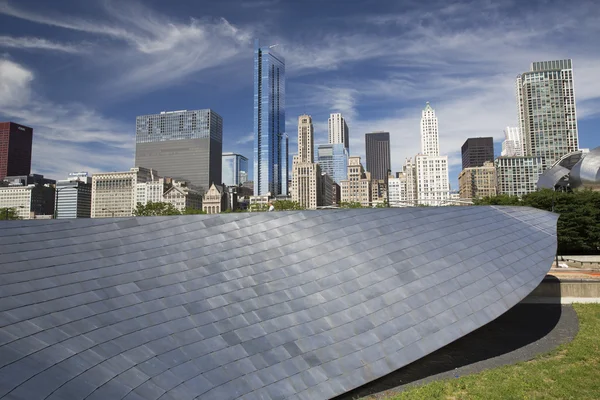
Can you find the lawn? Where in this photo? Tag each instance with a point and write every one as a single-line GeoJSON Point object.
{"type": "Point", "coordinates": [571, 371]}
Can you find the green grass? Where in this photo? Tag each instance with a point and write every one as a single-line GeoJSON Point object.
{"type": "Point", "coordinates": [571, 371]}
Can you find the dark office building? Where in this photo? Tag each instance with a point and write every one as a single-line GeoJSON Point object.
{"type": "Point", "coordinates": [15, 149]}
{"type": "Point", "coordinates": [377, 146]}
{"type": "Point", "coordinates": [476, 151]}
{"type": "Point", "coordinates": [184, 145]}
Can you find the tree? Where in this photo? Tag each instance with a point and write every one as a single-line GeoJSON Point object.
{"type": "Point", "coordinates": [193, 211]}
{"type": "Point", "coordinates": [8, 213]}
{"type": "Point", "coordinates": [286, 205]}
{"type": "Point", "coordinates": [384, 204]}
{"type": "Point", "coordinates": [351, 204]}
{"type": "Point", "coordinates": [155, 209]}
{"type": "Point", "coordinates": [578, 227]}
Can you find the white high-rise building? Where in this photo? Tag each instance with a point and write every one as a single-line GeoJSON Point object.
{"type": "Point", "coordinates": [512, 145]}
{"type": "Point", "coordinates": [338, 130]}
{"type": "Point", "coordinates": [432, 185]}
{"type": "Point", "coordinates": [430, 143]}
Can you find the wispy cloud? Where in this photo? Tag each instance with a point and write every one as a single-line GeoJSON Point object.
{"type": "Point", "coordinates": [249, 138]}
{"type": "Point", "coordinates": [38, 44]}
{"type": "Point", "coordinates": [150, 50]}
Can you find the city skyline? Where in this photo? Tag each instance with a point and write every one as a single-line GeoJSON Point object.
{"type": "Point", "coordinates": [85, 116]}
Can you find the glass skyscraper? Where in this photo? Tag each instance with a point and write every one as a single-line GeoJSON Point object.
{"type": "Point", "coordinates": [333, 159]}
{"type": "Point", "coordinates": [377, 146]}
{"type": "Point", "coordinates": [270, 138]}
{"type": "Point", "coordinates": [235, 169]}
{"type": "Point", "coordinates": [185, 145]}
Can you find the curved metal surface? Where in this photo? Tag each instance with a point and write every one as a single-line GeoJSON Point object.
{"type": "Point", "coordinates": [552, 177]}
{"type": "Point", "coordinates": [586, 173]}
{"type": "Point", "coordinates": [294, 305]}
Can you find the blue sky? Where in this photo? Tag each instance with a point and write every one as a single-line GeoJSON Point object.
{"type": "Point", "coordinates": [80, 72]}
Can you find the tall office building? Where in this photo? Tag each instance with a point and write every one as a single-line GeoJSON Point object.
{"type": "Point", "coordinates": [356, 188]}
{"type": "Point", "coordinates": [270, 138]}
{"type": "Point", "coordinates": [235, 169]}
{"type": "Point", "coordinates": [546, 110]}
{"type": "Point", "coordinates": [476, 151]}
{"type": "Point", "coordinates": [512, 144]}
{"type": "Point", "coordinates": [306, 175]}
{"type": "Point", "coordinates": [15, 149]}
{"type": "Point", "coordinates": [431, 182]}
{"type": "Point", "coordinates": [377, 146]}
{"type": "Point", "coordinates": [338, 130]}
{"type": "Point", "coordinates": [185, 145]}
{"type": "Point", "coordinates": [333, 159]}
{"type": "Point", "coordinates": [430, 140]}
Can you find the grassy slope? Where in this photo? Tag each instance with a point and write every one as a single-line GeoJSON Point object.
{"type": "Point", "coordinates": [569, 372]}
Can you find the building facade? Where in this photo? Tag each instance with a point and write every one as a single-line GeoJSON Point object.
{"type": "Point", "coordinates": [182, 197]}
{"type": "Point", "coordinates": [433, 186]}
{"type": "Point", "coordinates": [74, 197]}
{"type": "Point", "coordinates": [477, 151]}
{"type": "Point", "coordinates": [518, 176]}
{"type": "Point", "coordinates": [377, 146]}
{"type": "Point", "coordinates": [333, 159]}
{"type": "Point", "coordinates": [512, 144]}
{"type": "Point", "coordinates": [478, 182]}
{"type": "Point", "coordinates": [306, 174]}
{"type": "Point", "coordinates": [185, 145]}
{"type": "Point", "coordinates": [115, 194]}
{"type": "Point", "coordinates": [357, 187]}
{"type": "Point", "coordinates": [235, 169]}
{"type": "Point", "coordinates": [330, 191]}
{"type": "Point", "coordinates": [214, 200]}
{"type": "Point", "coordinates": [547, 111]}
{"type": "Point", "coordinates": [430, 140]}
{"type": "Point", "coordinates": [15, 149]}
{"type": "Point", "coordinates": [338, 132]}
{"type": "Point", "coordinates": [270, 138]}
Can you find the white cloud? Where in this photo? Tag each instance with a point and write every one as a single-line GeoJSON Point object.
{"type": "Point", "coordinates": [67, 137]}
{"type": "Point", "coordinates": [14, 84]}
{"type": "Point", "coordinates": [249, 138]}
{"type": "Point", "coordinates": [37, 43]}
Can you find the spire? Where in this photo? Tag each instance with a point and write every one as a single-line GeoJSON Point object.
{"type": "Point", "coordinates": [428, 107]}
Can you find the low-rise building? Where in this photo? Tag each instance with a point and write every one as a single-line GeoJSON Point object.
{"type": "Point", "coordinates": [214, 200]}
{"type": "Point", "coordinates": [183, 197]}
{"type": "Point", "coordinates": [518, 176]}
{"type": "Point", "coordinates": [74, 196]}
{"type": "Point", "coordinates": [478, 182]}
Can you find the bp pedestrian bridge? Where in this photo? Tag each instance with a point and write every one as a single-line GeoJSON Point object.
{"type": "Point", "coordinates": [282, 305]}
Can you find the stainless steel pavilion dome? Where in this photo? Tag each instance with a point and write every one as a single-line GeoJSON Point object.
{"type": "Point", "coordinates": [577, 170]}
{"type": "Point", "coordinates": [284, 305]}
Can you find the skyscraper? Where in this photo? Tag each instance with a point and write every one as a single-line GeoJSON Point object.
{"type": "Point", "coordinates": [306, 175]}
{"type": "Point", "coordinates": [377, 146]}
{"type": "Point", "coordinates": [546, 110]}
{"type": "Point", "coordinates": [338, 130]}
{"type": "Point", "coordinates": [270, 139]}
{"type": "Point", "coordinates": [430, 141]}
{"type": "Point", "coordinates": [476, 151]}
{"type": "Point", "coordinates": [15, 149]}
{"type": "Point", "coordinates": [512, 144]}
{"type": "Point", "coordinates": [431, 169]}
{"type": "Point", "coordinates": [333, 159]}
{"type": "Point", "coordinates": [185, 145]}
{"type": "Point", "coordinates": [235, 169]}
